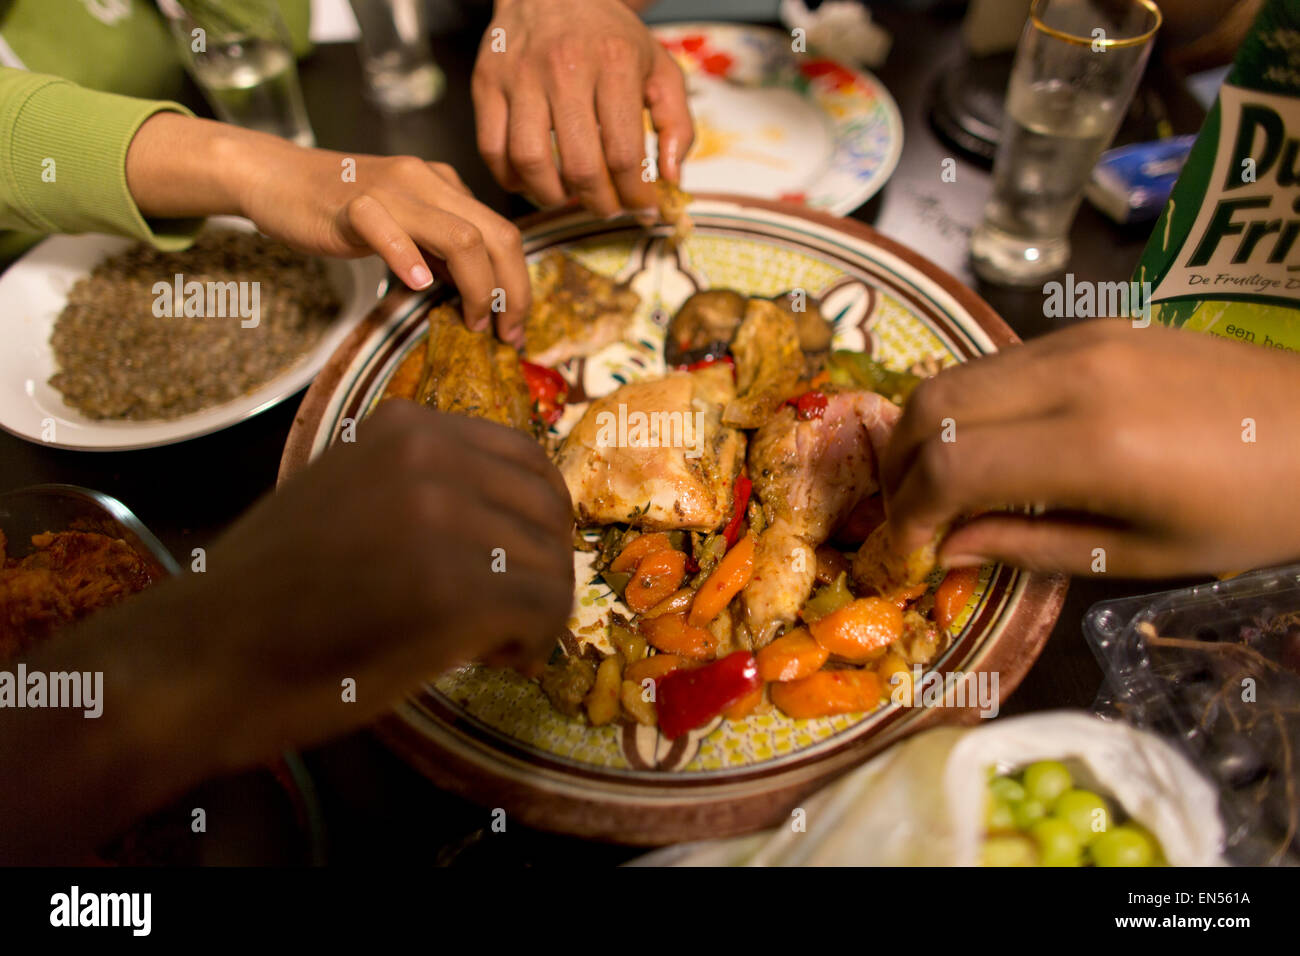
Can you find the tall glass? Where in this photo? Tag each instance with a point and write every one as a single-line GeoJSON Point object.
{"type": "Point", "coordinates": [395, 55]}
{"type": "Point", "coordinates": [1076, 68]}
{"type": "Point", "coordinates": [240, 54]}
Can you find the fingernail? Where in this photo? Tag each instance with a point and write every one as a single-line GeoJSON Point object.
{"type": "Point", "coordinates": [420, 277]}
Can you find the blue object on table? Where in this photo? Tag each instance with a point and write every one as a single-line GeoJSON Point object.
{"type": "Point", "coordinates": [1132, 183]}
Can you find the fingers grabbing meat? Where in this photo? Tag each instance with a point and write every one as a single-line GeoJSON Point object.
{"type": "Point", "coordinates": [810, 475]}
{"type": "Point", "coordinates": [472, 373]}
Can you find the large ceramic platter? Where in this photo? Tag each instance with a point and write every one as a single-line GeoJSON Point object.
{"type": "Point", "coordinates": [491, 734]}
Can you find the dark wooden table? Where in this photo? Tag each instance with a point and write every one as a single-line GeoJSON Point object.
{"type": "Point", "coordinates": [375, 807]}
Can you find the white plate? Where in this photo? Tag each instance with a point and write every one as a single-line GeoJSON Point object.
{"type": "Point", "coordinates": [779, 125]}
{"type": "Point", "coordinates": [34, 291]}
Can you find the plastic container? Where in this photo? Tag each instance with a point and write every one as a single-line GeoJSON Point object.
{"type": "Point", "coordinates": [1216, 669]}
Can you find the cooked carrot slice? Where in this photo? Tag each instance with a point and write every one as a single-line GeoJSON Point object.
{"type": "Point", "coordinates": [673, 635]}
{"type": "Point", "coordinates": [654, 667]}
{"type": "Point", "coordinates": [826, 693]}
{"type": "Point", "coordinates": [638, 548]}
{"type": "Point", "coordinates": [745, 706]}
{"type": "Point", "coordinates": [791, 657]}
{"type": "Point", "coordinates": [659, 574]}
{"type": "Point", "coordinates": [728, 578]}
{"type": "Point", "coordinates": [956, 589]}
{"type": "Point", "coordinates": [676, 603]}
{"type": "Point", "coordinates": [857, 630]}
{"type": "Point", "coordinates": [906, 595]}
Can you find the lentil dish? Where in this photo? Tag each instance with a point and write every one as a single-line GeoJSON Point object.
{"type": "Point", "coordinates": [117, 359]}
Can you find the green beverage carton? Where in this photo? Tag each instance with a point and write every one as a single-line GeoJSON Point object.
{"type": "Point", "coordinates": [1225, 254]}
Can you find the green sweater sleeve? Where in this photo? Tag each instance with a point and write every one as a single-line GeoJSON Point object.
{"type": "Point", "coordinates": [63, 161]}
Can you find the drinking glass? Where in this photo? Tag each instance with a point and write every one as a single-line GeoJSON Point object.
{"type": "Point", "coordinates": [395, 56]}
{"type": "Point", "coordinates": [1076, 69]}
{"type": "Point", "coordinates": [240, 54]}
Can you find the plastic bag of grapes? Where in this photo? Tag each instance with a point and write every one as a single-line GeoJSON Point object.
{"type": "Point", "coordinates": [1062, 788]}
{"type": "Point", "coordinates": [1216, 670]}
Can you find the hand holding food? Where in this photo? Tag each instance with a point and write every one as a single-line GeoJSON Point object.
{"type": "Point", "coordinates": [586, 69]}
{"type": "Point", "coordinates": [1165, 449]}
{"type": "Point", "coordinates": [336, 204]}
{"type": "Point", "coordinates": [430, 540]}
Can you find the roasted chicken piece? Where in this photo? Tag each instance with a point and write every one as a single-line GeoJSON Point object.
{"type": "Point", "coordinates": [655, 455]}
{"type": "Point", "coordinates": [672, 209]}
{"type": "Point", "coordinates": [769, 364]}
{"type": "Point", "coordinates": [575, 311]}
{"type": "Point", "coordinates": [815, 333]}
{"type": "Point", "coordinates": [809, 476]}
{"type": "Point", "coordinates": [879, 567]}
{"type": "Point", "coordinates": [471, 373]}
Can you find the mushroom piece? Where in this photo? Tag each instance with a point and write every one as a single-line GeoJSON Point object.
{"type": "Point", "coordinates": [703, 326]}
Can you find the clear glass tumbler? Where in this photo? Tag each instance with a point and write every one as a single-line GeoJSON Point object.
{"type": "Point", "coordinates": [240, 54]}
{"type": "Point", "coordinates": [395, 56]}
{"type": "Point", "coordinates": [1076, 69]}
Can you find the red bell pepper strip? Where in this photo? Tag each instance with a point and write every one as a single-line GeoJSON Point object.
{"type": "Point", "coordinates": [547, 389]}
{"type": "Point", "coordinates": [740, 501]}
{"type": "Point", "coordinates": [808, 405]}
{"type": "Point", "coordinates": [689, 698]}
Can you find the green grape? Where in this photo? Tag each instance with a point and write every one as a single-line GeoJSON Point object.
{"type": "Point", "coordinates": [1046, 780]}
{"type": "Point", "coordinates": [1084, 810]}
{"type": "Point", "coordinates": [997, 816]}
{"type": "Point", "coordinates": [1027, 812]}
{"type": "Point", "coordinates": [1011, 850]}
{"type": "Point", "coordinates": [1124, 845]}
{"type": "Point", "coordinates": [1058, 844]}
{"type": "Point", "coordinates": [1004, 788]}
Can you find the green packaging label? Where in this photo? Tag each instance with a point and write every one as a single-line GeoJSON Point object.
{"type": "Point", "coordinates": [1225, 254]}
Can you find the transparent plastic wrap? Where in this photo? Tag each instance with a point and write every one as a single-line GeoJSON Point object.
{"type": "Point", "coordinates": [1216, 670]}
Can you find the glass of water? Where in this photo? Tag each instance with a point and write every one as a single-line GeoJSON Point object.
{"type": "Point", "coordinates": [400, 72]}
{"type": "Point", "coordinates": [240, 54]}
{"type": "Point", "coordinates": [1076, 68]}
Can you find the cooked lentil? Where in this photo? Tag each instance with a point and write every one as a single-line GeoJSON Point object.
{"type": "Point", "coordinates": [116, 359]}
